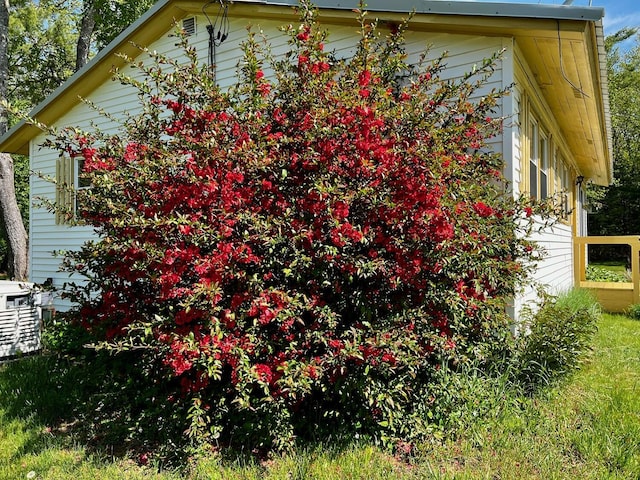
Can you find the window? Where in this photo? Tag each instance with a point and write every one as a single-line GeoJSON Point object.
{"type": "Point", "coordinates": [68, 182]}
{"type": "Point", "coordinates": [80, 182]}
{"type": "Point", "coordinates": [563, 191]}
{"type": "Point", "coordinates": [563, 186]}
{"type": "Point", "coordinates": [544, 166]}
{"type": "Point", "coordinates": [533, 161]}
{"type": "Point", "coordinates": [545, 172]}
{"type": "Point", "coordinates": [538, 162]}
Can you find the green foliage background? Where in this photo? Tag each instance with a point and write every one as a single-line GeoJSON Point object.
{"type": "Point", "coordinates": [617, 208]}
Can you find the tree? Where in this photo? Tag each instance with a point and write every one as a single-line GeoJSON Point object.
{"type": "Point", "coordinates": [21, 177]}
{"type": "Point", "coordinates": [85, 32]}
{"type": "Point", "coordinates": [18, 261]}
{"type": "Point", "coordinates": [103, 20]}
{"type": "Point", "coordinates": [11, 217]}
{"type": "Point", "coordinates": [113, 16]}
{"type": "Point", "coordinates": [36, 58]}
{"type": "Point", "coordinates": [618, 206]}
{"type": "Point", "coordinates": [300, 250]}
{"type": "Point", "coordinates": [41, 50]}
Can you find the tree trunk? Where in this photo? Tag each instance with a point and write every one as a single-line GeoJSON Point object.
{"type": "Point", "coordinates": [4, 60]}
{"type": "Point", "coordinates": [87, 25]}
{"type": "Point", "coordinates": [14, 226]}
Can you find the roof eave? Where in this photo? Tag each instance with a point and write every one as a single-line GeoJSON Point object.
{"type": "Point", "coordinates": [598, 32]}
{"type": "Point", "coordinates": [442, 7]}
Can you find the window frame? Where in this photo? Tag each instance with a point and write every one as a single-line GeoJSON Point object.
{"type": "Point", "coordinates": [564, 186]}
{"type": "Point", "coordinates": [544, 191]}
{"type": "Point", "coordinates": [68, 184]}
{"type": "Point", "coordinates": [539, 166]}
{"type": "Point", "coordinates": [79, 183]}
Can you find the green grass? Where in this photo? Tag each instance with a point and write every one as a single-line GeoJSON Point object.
{"type": "Point", "coordinates": [588, 428]}
{"type": "Point", "coordinates": [612, 265]}
{"type": "Point", "coordinates": [608, 272]}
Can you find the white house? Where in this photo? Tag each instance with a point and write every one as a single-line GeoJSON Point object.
{"type": "Point", "coordinates": [559, 136]}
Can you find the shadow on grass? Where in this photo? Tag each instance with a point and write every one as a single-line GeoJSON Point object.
{"type": "Point", "coordinates": [44, 388]}
{"type": "Point", "coordinates": [90, 400]}
{"type": "Point", "coordinates": [39, 399]}
{"type": "Point", "coordinates": [101, 403]}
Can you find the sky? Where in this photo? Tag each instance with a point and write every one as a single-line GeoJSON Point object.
{"type": "Point", "coordinates": [617, 13]}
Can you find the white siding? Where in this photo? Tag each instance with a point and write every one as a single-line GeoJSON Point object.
{"type": "Point", "coordinates": [554, 272]}
{"type": "Point", "coordinates": [47, 237]}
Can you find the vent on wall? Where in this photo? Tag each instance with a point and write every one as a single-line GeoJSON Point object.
{"type": "Point", "coordinates": [189, 25]}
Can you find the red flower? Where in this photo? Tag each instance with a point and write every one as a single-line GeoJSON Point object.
{"type": "Point", "coordinates": [336, 238]}
{"type": "Point", "coordinates": [263, 372]}
{"type": "Point", "coordinates": [264, 88]}
{"type": "Point", "coordinates": [177, 359]}
{"type": "Point", "coordinates": [266, 316]}
{"type": "Point", "coordinates": [482, 209]}
{"type": "Point", "coordinates": [304, 35]}
{"type": "Point", "coordinates": [340, 210]}
{"type": "Point", "coordinates": [441, 230]}
{"type": "Point", "coordinates": [389, 358]}
{"type": "Point", "coordinates": [364, 78]}
{"type": "Point", "coordinates": [312, 371]}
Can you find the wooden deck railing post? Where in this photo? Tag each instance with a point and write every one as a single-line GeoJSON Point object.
{"type": "Point", "coordinates": [635, 269]}
{"type": "Point", "coordinates": [579, 267]}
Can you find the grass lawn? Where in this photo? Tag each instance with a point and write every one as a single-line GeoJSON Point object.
{"type": "Point", "coordinates": [612, 266]}
{"type": "Point", "coordinates": [589, 429]}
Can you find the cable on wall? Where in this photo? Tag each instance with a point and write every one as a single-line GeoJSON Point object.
{"type": "Point", "coordinates": [218, 29]}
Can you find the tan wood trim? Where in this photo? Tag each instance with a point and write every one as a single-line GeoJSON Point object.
{"type": "Point", "coordinates": [602, 290]}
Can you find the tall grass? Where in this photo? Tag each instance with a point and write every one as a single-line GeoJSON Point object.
{"type": "Point", "coordinates": [554, 338]}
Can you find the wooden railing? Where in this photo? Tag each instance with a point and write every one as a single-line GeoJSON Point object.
{"type": "Point", "coordinates": [613, 296]}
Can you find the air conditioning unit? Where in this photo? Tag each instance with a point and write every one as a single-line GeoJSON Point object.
{"type": "Point", "coordinates": [21, 310]}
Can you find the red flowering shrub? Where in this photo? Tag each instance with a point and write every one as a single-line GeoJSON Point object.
{"type": "Point", "coordinates": [305, 248]}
